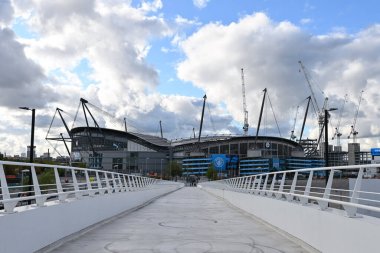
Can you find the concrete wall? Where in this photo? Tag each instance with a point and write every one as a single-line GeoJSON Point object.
{"type": "Point", "coordinates": [326, 231]}
{"type": "Point", "coordinates": [31, 230]}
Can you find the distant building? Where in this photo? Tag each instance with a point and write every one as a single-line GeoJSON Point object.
{"type": "Point", "coordinates": [110, 149]}
{"type": "Point", "coordinates": [28, 151]}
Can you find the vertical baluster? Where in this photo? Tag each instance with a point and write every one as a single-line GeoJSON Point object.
{"type": "Point", "coordinates": [8, 204]}
{"type": "Point", "coordinates": [281, 188]}
{"type": "Point", "coordinates": [249, 186]}
{"type": "Point", "coordinates": [88, 183]}
{"type": "Point", "coordinates": [351, 210]}
{"type": "Point", "coordinates": [61, 195]}
{"type": "Point", "coordinates": [271, 189]}
{"type": "Point", "coordinates": [114, 185]}
{"type": "Point", "coordinates": [305, 200]}
{"type": "Point", "coordinates": [101, 190]}
{"type": "Point", "coordinates": [108, 186]}
{"type": "Point", "coordinates": [290, 196]}
{"type": "Point", "coordinates": [263, 190]}
{"type": "Point", "coordinates": [257, 189]}
{"type": "Point", "coordinates": [78, 194]}
{"type": "Point", "coordinates": [323, 204]}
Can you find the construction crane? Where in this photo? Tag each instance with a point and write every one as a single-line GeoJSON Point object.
{"type": "Point", "coordinates": [292, 136]}
{"type": "Point", "coordinates": [320, 112]}
{"type": "Point", "coordinates": [261, 115]}
{"type": "Point", "coordinates": [246, 125]}
{"type": "Point", "coordinates": [337, 133]}
{"type": "Point", "coordinates": [304, 118]}
{"type": "Point", "coordinates": [353, 132]}
{"type": "Point", "coordinates": [203, 112]}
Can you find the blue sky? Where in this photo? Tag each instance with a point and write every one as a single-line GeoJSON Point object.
{"type": "Point", "coordinates": [315, 17]}
{"type": "Point", "coordinates": [154, 60]}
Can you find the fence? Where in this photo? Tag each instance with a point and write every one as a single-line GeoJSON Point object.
{"type": "Point", "coordinates": [337, 187]}
{"type": "Point", "coordinates": [29, 183]}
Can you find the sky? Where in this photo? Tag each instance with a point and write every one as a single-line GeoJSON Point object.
{"type": "Point", "coordinates": [151, 61]}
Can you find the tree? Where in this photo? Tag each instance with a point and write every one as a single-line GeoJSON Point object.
{"type": "Point", "coordinates": [212, 174]}
{"type": "Point", "coordinates": [174, 169]}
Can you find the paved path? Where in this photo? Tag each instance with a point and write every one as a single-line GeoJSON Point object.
{"type": "Point", "coordinates": [188, 220]}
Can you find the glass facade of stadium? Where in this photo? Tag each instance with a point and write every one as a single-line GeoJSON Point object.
{"type": "Point", "coordinates": [145, 154]}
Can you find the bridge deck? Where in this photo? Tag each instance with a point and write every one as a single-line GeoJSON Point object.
{"type": "Point", "coordinates": [188, 220]}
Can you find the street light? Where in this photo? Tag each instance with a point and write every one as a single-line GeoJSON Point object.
{"type": "Point", "coordinates": [31, 150]}
{"type": "Point", "coordinates": [326, 121]}
{"type": "Point", "coordinates": [31, 154]}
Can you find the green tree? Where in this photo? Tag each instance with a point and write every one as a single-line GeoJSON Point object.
{"type": "Point", "coordinates": [174, 169]}
{"type": "Point", "coordinates": [47, 177]}
{"type": "Point", "coordinates": [212, 174]}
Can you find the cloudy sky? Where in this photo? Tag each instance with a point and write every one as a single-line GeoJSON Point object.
{"type": "Point", "coordinates": [147, 61]}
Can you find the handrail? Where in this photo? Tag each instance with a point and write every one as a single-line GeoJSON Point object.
{"type": "Point", "coordinates": [77, 182]}
{"type": "Point", "coordinates": [273, 185]}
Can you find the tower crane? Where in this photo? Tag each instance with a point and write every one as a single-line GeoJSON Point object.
{"type": "Point", "coordinates": [304, 118]}
{"type": "Point", "coordinates": [292, 136]}
{"type": "Point", "coordinates": [246, 125]}
{"type": "Point", "coordinates": [353, 130]}
{"type": "Point", "coordinates": [337, 133]}
{"type": "Point", "coordinates": [320, 112]}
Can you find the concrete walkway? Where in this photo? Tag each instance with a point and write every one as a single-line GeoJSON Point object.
{"type": "Point", "coordinates": [188, 220]}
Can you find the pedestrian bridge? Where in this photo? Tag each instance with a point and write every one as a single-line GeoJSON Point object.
{"type": "Point", "coordinates": [68, 209]}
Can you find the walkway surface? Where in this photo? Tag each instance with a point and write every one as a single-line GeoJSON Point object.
{"type": "Point", "coordinates": [188, 220]}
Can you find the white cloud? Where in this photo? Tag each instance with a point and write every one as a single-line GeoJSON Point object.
{"type": "Point", "coordinates": [269, 52]}
{"type": "Point", "coordinates": [179, 20]}
{"type": "Point", "coordinates": [114, 38]}
{"type": "Point", "coordinates": [200, 3]}
{"type": "Point", "coordinates": [305, 21]}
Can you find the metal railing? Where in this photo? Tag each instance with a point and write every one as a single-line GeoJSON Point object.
{"type": "Point", "coordinates": [327, 187]}
{"type": "Point", "coordinates": [61, 183]}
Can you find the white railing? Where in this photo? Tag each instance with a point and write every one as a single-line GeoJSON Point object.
{"type": "Point", "coordinates": [308, 186]}
{"type": "Point", "coordinates": [63, 183]}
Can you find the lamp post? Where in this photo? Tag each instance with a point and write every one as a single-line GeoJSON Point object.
{"type": "Point", "coordinates": [326, 121]}
{"type": "Point", "coordinates": [31, 149]}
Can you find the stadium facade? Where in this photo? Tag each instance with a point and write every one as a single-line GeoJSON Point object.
{"type": "Point", "coordinates": [109, 149]}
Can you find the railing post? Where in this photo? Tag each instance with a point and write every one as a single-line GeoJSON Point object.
{"type": "Point", "coordinates": [138, 178]}
{"type": "Point", "coordinates": [4, 184]}
{"type": "Point", "coordinates": [125, 183]}
{"type": "Point", "coordinates": [305, 200]}
{"type": "Point", "coordinates": [40, 199]}
{"type": "Point", "coordinates": [108, 186]}
{"type": "Point", "coordinates": [130, 182]}
{"type": "Point", "coordinates": [264, 189]}
{"type": "Point", "coordinates": [114, 185]}
{"type": "Point", "coordinates": [323, 204]}
{"type": "Point", "coordinates": [290, 196]}
{"type": "Point", "coordinates": [88, 183]}
{"type": "Point", "coordinates": [61, 195]}
{"type": "Point", "coordinates": [257, 189]}
{"type": "Point", "coordinates": [271, 189]}
{"type": "Point", "coordinates": [249, 186]}
{"type": "Point", "coordinates": [78, 194]}
{"type": "Point", "coordinates": [281, 188]}
{"type": "Point", "coordinates": [350, 210]}
{"type": "Point", "coordinates": [100, 186]}
{"type": "Point", "coordinates": [8, 205]}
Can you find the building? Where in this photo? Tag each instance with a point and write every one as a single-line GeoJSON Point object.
{"type": "Point", "coordinates": [128, 152]}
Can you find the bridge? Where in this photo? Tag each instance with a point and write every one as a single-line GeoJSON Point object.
{"type": "Point", "coordinates": [69, 209]}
